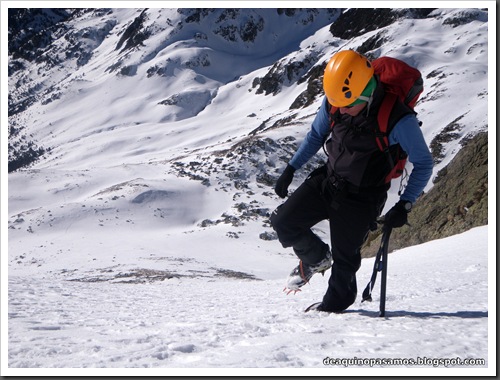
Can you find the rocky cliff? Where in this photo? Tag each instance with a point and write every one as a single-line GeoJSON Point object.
{"type": "Point", "coordinates": [457, 202]}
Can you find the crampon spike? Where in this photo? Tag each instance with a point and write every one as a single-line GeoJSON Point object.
{"type": "Point", "coordinates": [288, 291]}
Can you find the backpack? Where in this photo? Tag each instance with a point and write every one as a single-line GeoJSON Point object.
{"type": "Point", "coordinates": [401, 81]}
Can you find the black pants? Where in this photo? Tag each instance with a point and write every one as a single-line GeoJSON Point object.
{"type": "Point", "coordinates": [351, 215]}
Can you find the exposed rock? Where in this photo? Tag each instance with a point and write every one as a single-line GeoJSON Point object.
{"type": "Point", "coordinates": [449, 133]}
{"type": "Point", "coordinates": [135, 34]}
{"type": "Point", "coordinates": [23, 153]}
{"type": "Point", "coordinates": [284, 73]}
{"type": "Point", "coordinates": [465, 16]}
{"type": "Point", "coordinates": [457, 202]}
{"type": "Point", "coordinates": [268, 236]}
{"type": "Point", "coordinates": [373, 43]}
{"type": "Point", "coordinates": [357, 21]}
{"type": "Point", "coordinates": [314, 87]}
{"type": "Point", "coordinates": [31, 30]}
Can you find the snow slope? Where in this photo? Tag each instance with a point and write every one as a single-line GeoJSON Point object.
{"type": "Point", "coordinates": [114, 317]}
{"type": "Point", "coordinates": [141, 240]}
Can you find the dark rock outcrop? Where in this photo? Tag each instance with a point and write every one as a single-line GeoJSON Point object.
{"type": "Point", "coordinates": [457, 202]}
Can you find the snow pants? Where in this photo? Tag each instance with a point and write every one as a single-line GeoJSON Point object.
{"type": "Point", "coordinates": [351, 215]}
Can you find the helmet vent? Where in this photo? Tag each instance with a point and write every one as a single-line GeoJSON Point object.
{"type": "Point", "coordinates": [345, 89]}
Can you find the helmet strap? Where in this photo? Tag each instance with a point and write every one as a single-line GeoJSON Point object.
{"type": "Point", "coordinates": [369, 100]}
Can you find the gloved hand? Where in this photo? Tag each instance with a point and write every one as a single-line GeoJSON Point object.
{"type": "Point", "coordinates": [398, 215]}
{"type": "Point", "coordinates": [284, 181]}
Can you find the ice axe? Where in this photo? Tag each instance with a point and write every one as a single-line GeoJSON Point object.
{"type": "Point", "coordinates": [380, 265]}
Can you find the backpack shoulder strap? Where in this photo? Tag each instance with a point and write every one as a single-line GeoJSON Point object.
{"type": "Point", "coordinates": [383, 120]}
{"type": "Point", "coordinates": [331, 114]}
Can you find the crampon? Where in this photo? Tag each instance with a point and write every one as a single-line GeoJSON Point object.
{"type": "Point", "coordinates": [303, 272]}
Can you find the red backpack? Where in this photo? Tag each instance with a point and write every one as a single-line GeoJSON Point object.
{"type": "Point", "coordinates": [400, 81]}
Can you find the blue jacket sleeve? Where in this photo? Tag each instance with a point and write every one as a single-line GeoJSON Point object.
{"type": "Point", "coordinates": [314, 139]}
{"type": "Point", "coordinates": [408, 135]}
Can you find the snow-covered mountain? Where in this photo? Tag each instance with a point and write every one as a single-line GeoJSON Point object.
{"type": "Point", "coordinates": [167, 69]}
{"type": "Point", "coordinates": [143, 146]}
{"type": "Point", "coordinates": [223, 96]}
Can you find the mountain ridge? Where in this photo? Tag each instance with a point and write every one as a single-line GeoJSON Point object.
{"type": "Point", "coordinates": [112, 88]}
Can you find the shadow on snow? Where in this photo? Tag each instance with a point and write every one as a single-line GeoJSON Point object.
{"type": "Point", "coordinates": [464, 314]}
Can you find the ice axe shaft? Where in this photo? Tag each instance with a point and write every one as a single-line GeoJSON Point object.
{"type": "Point", "coordinates": [380, 265]}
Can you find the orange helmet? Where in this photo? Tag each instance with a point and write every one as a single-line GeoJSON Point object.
{"type": "Point", "coordinates": [346, 76]}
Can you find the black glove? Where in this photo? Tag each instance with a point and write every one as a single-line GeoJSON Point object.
{"type": "Point", "coordinates": [284, 181]}
{"type": "Point", "coordinates": [398, 215]}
